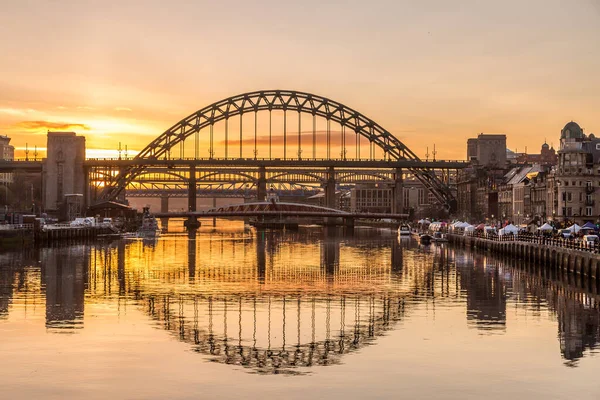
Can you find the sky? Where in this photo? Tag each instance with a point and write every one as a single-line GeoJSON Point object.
{"type": "Point", "coordinates": [430, 72]}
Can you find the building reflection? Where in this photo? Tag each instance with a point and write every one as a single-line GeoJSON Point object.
{"type": "Point", "coordinates": [485, 292]}
{"type": "Point", "coordinates": [64, 275]}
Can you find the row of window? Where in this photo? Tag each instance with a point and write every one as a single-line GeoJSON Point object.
{"type": "Point", "coordinates": [568, 211]}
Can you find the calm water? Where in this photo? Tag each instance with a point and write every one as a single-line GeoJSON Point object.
{"type": "Point", "coordinates": [242, 314]}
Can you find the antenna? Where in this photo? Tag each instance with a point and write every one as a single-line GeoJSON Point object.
{"type": "Point", "coordinates": [35, 153]}
{"type": "Point", "coordinates": [26, 152]}
{"type": "Point", "coordinates": [126, 152]}
{"type": "Point", "coordinates": [434, 152]}
{"type": "Point", "coordinates": [427, 154]}
{"type": "Point", "coordinates": [119, 150]}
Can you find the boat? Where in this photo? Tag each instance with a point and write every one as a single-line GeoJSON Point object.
{"type": "Point", "coordinates": [404, 230]}
{"type": "Point", "coordinates": [149, 227]}
{"type": "Point", "coordinates": [439, 237]}
{"type": "Point", "coordinates": [425, 239]}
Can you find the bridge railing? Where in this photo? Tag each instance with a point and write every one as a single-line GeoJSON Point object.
{"type": "Point", "coordinates": [565, 243]}
{"type": "Point", "coordinates": [273, 159]}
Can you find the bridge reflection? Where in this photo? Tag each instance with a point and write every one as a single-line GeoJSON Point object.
{"type": "Point", "coordinates": [275, 303]}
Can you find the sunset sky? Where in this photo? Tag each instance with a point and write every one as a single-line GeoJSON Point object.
{"type": "Point", "coordinates": [433, 71]}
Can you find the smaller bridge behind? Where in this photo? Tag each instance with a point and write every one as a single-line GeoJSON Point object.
{"type": "Point", "coordinates": [277, 210]}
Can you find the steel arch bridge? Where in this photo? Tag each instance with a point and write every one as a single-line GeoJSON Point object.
{"type": "Point", "coordinates": [372, 146]}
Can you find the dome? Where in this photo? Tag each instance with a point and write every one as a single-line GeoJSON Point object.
{"type": "Point", "coordinates": [545, 146]}
{"type": "Point", "coordinates": [571, 131]}
{"type": "Point", "coordinates": [592, 136]}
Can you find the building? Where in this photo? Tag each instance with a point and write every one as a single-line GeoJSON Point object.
{"type": "Point", "coordinates": [477, 192]}
{"type": "Point", "coordinates": [7, 152]}
{"type": "Point", "coordinates": [371, 198]}
{"type": "Point", "coordinates": [487, 150]}
{"type": "Point", "coordinates": [547, 157]}
{"type": "Point", "coordinates": [577, 176]}
{"type": "Point", "coordinates": [63, 171]}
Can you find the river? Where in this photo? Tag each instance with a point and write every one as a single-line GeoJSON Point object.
{"type": "Point", "coordinates": [314, 314]}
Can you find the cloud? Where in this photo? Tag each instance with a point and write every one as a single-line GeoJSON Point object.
{"type": "Point", "coordinates": [123, 109]}
{"type": "Point", "coordinates": [12, 111]}
{"type": "Point", "coordinates": [48, 125]}
{"type": "Point", "coordinates": [85, 108]}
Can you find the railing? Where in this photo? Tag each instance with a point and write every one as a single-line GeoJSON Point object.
{"type": "Point", "coordinates": [14, 227]}
{"type": "Point", "coordinates": [572, 244]}
{"type": "Point", "coordinates": [272, 159]}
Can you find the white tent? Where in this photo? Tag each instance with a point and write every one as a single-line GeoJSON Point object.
{"type": "Point", "coordinates": [424, 221]}
{"type": "Point", "coordinates": [508, 229]}
{"type": "Point", "coordinates": [469, 228]}
{"type": "Point", "coordinates": [546, 228]}
{"type": "Point", "coordinates": [574, 228]}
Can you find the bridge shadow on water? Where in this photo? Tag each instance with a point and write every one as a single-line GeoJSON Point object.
{"type": "Point", "coordinates": [282, 302]}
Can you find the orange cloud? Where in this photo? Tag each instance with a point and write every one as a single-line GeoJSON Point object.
{"type": "Point", "coordinates": [48, 125]}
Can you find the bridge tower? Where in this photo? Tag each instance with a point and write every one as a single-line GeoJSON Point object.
{"type": "Point", "coordinates": [63, 171]}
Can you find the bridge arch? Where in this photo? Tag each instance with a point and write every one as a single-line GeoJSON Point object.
{"type": "Point", "coordinates": [285, 100]}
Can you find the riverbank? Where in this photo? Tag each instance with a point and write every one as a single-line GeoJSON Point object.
{"type": "Point", "coordinates": [573, 261]}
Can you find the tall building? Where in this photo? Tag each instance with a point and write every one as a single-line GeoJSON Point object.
{"type": "Point", "coordinates": [487, 150]}
{"type": "Point", "coordinates": [7, 152]}
{"type": "Point", "coordinates": [577, 176]}
{"type": "Point", "coordinates": [63, 172]}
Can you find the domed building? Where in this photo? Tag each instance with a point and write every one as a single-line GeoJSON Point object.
{"type": "Point", "coordinates": [572, 130]}
{"type": "Point", "coordinates": [573, 186]}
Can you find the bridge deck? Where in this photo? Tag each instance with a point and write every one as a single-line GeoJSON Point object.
{"type": "Point", "coordinates": [217, 214]}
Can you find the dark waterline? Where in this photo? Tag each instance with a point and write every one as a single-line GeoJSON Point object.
{"type": "Point", "coordinates": [352, 315]}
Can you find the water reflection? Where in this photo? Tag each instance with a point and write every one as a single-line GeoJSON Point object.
{"type": "Point", "coordinates": [278, 303]}
{"type": "Point", "coordinates": [64, 275]}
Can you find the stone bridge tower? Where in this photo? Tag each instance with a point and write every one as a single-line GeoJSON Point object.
{"type": "Point", "coordinates": [63, 171]}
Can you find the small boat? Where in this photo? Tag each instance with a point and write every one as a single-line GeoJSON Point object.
{"type": "Point", "coordinates": [439, 237]}
{"type": "Point", "coordinates": [425, 239]}
{"type": "Point", "coordinates": [149, 228]}
{"type": "Point", "coordinates": [404, 230]}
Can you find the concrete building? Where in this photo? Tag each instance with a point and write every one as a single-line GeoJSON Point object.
{"type": "Point", "coordinates": [371, 198]}
{"type": "Point", "coordinates": [7, 152]}
{"type": "Point", "coordinates": [487, 150]}
{"type": "Point", "coordinates": [63, 171]}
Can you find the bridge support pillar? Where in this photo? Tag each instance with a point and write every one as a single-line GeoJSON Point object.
{"type": "Point", "coordinates": [398, 193]}
{"type": "Point", "coordinates": [261, 184]}
{"type": "Point", "coordinates": [164, 208]}
{"type": "Point", "coordinates": [330, 189]}
{"type": "Point", "coordinates": [192, 223]}
{"type": "Point", "coordinates": [214, 205]}
{"type": "Point", "coordinates": [330, 194]}
{"type": "Point", "coordinates": [192, 189]}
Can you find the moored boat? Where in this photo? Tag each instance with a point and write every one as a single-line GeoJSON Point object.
{"type": "Point", "coordinates": [439, 237]}
{"type": "Point", "coordinates": [404, 230]}
{"type": "Point", "coordinates": [425, 239]}
{"type": "Point", "coordinates": [149, 227]}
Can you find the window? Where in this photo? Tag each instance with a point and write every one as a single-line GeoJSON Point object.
{"type": "Point", "coordinates": [569, 196]}
{"type": "Point", "coordinates": [569, 211]}
{"type": "Point", "coordinates": [588, 211]}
